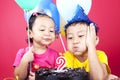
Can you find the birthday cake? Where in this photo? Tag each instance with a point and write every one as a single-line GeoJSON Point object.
{"type": "Point", "coordinates": [65, 74]}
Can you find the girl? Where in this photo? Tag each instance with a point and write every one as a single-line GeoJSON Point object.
{"type": "Point", "coordinates": [42, 33]}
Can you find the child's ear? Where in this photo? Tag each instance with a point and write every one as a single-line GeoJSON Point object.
{"type": "Point", "coordinates": [97, 40]}
{"type": "Point", "coordinates": [29, 33]}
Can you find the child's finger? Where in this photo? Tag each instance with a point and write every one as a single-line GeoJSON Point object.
{"type": "Point", "coordinates": [112, 77]}
{"type": "Point", "coordinates": [32, 76]}
{"type": "Point", "coordinates": [92, 28]}
{"type": "Point", "coordinates": [32, 73]}
{"type": "Point", "coordinates": [88, 30]}
{"type": "Point", "coordinates": [87, 34]}
{"type": "Point", "coordinates": [31, 49]}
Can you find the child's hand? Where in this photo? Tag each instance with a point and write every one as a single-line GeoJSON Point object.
{"type": "Point", "coordinates": [112, 77]}
{"type": "Point", "coordinates": [91, 36]}
{"type": "Point", "coordinates": [29, 56]}
{"type": "Point", "coordinates": [32, 76]}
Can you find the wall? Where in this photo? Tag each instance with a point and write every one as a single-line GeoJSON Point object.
{"type": "Point", "coordinates": [105, 13]}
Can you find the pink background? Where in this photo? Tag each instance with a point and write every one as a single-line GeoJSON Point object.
{"type": "Point", "coordinates": [105, 13]}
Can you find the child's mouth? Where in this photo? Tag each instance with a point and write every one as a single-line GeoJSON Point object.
{"type": "Point", "coordinates": [47, 39]}
{"type": "Point", "coordinates": [75, 48]}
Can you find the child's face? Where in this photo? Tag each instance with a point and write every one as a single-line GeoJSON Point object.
{"type": "Point", "coordinates": [43, 31]}
{"type": "Point", "coordinates": [76, 38]}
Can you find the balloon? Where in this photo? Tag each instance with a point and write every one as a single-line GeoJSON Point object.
{"type": "Point", "coordinates": [54, 1]}
{"type": "Point", "coordinates": [62, 24]}
{"type": "Point", "coordinates": [72, 10]}
{"type": "Point", "coordinates": [45, 7]}
{"type": "Point", "coordinates": [40, 7]}
{"type": "Point", "coordinates": [27, 4]}
{"type": "Point", "coordinates": [68, 11]}
{"type": "Point", "coordinates": [85, 4]}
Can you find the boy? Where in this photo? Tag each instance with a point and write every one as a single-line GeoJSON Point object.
{"type": "Point", "coordinates": [81, 41]}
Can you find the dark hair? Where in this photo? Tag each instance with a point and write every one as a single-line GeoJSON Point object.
{"type": "Point", "coordinates": [32, 20]}
{"type": "Point", "coordinates": [87, 22]}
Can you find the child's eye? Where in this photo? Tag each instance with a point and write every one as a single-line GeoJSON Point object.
{"type": "Point", "coordinates": [80, 36]}
{"type": "Point", "coordinates": [51, 31]}
{"type": "Point", "coordinates": [42, 30]}
{"type": "Point", "coordinates": [69, 38]}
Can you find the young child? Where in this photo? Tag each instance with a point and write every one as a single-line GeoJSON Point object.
{"type": "Point", "coordinates": [82, 40]}
{"type": "Point", "coordinates": [42, 33]}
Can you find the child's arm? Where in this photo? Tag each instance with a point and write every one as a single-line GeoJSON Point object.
{"type": "Point", "coordinates": [98, 70]}
{"type": "Point", "coordinates": [22, 69]}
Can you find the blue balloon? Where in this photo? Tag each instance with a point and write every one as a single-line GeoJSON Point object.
{"type": "Point", "coordinates": [45, 7]}
{"type": "Point", "coordinates": [55, 16]}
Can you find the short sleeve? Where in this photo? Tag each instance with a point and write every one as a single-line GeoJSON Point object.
{"type": "Point", "coordinates": [103, 59]}
{"type": "Point", "coordinates": [18, 58]}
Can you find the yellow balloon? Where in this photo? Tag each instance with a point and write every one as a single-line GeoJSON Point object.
{"type": "Point", "coordinates": [62, 24]}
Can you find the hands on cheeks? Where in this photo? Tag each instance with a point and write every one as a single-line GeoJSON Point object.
{"type": "Point", "coordinates": [91, 36]}
{"type": "Point", "coordinates": [91, 41]}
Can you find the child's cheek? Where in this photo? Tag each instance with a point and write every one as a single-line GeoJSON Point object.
{"type": "Point", "coordinates": [69, 47]}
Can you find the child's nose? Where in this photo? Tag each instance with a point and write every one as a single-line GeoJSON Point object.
{"type": "Point", "coordinates": [75, 40]}
{"type": "Point", "coordinates": [47, 33]}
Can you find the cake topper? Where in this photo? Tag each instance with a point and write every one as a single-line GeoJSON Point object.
{"type": "Point", "coordinates": [61, 62]}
